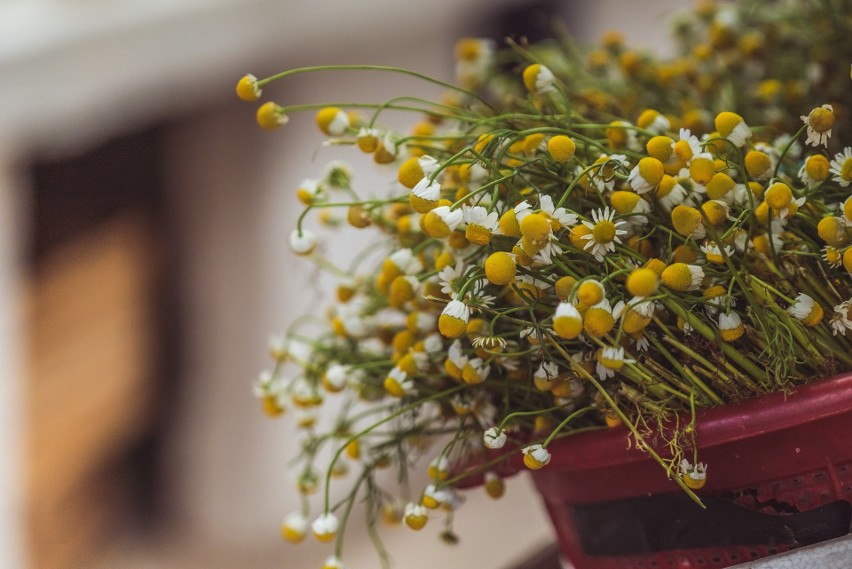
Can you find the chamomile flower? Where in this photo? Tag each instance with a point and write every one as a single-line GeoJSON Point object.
{"type": "Point", "coordinates": [841, 167]}
{"type": "Point", "coordinates": [539, 80]}
{"type": "Point", "coordinates": [475, 371]}
{"type": "Point", "coordinates": [653, 121]}
{"type": "Point", "coordinates": [688, 221]}
{"type": "Point", "coordinates": [599, 320]}
{"type": "Point", "coordinates": [567, 321]}
{"type": "Point", "coordinates": [670, 193]}
{"type": "Point", "coordinates": [325, 527]}
{"type": "Point", "coordinates": [713, 253]}
{"type": "Point", "coordinates": [454, 318]}
{"type": "Point", "coordinates": [604, 175]}
{"type": "Point", "coordinates": [333, 562]}
{"type": "Point", "coordinates": [334, 378]}
{"type": "Point", "coordinates": [302, 242]}
{"type": "Point", "coordinates": [682, 277]}
{"type": "Point", "coordinates": [832, 256]}
{"type": "Point", "coordinates": [481, 224]}
{"type": "Point", "coordinates": [559, 216]}
{"type": "Point", "coordinates": [636, 314]}
{"type": "Point", "coordinates": [687, 146]}
{"type": "Point", "coordinates": [397, 383]}
{"type": "Point", "coordinates": [730, 326]}
{"type": "Point", "coordinates": [536, 457]}
{"type": "Point", "coordinates": [332, 121]}
{"type": "Point", "coordinates": [605, 233]}
{"type": "Point", "coordinates": [368, 139]}
{"type": "Point", "coordinates": [819, 122]}
{"type": "Point", "coordinates": [456, 360]}
{"type": "Point", "coordinates": [247, 88]}
{"type": "Point", "coordinates": [646, 175]}
{"type": "Point", "coordinates": [294, 527]}
{"type": "Point", "coordinates": [694, 476]}
{"type": "Point", "coordinates": [424, 196]}
{"type": "Point", "coordinates": [270, 116]}
{"type": "Point", "coordinates": [494, 438]}
{"type": "Point", "coordinates": [415, 516]}
{"type": "Point", "coordinates": [815, 170]}
{"type": "Point", "coordinates": [611, 360]}
{"type": "Point", "coordinates": [733, 127]}
{"type": "Point", "coordinates": [442, 221]}
{"type": "Point", "coordinates": [807, 310]}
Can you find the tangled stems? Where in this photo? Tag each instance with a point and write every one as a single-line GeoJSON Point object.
{"type": "Point", "coordinates": [401, 411]}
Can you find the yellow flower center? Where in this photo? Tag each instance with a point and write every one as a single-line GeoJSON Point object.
{"type": "Point", "coordinates": [393, 388]}
{"type": "Point", "coordinates": [604, 231]}
{"type": "Point", "coordinates": [471, 375]}
{"type": "Point", "coordinates": [567, 327]}
{"type": "Point", "coordinates": [726, 122]}
{"type": "Point", "coordinates": [716, 212]}
{"type": "Point", "coordinates": [693, 483]}
{"type": "Point", "coordinates": [477, 234]}
{"type": "Point", "coordinates": [719, 185]}
{"type": "Point", "coordinates": [325, 118]}
{"type": "Point", "coordinates": [816, 314]}
{"type": "Point", "coordinates": [821, 119]}
{"type": "Point", "coordinates": [367, 143]}
{"type": "Point", "coordinates": [410, 173]}
{"type": "Point", "coordinates": [642, 282]}
{"type": "Point", "coordinates": [757, 163]}
{"type": "Point", "coordinates": [817, 167]}
{"type": "Point", "coordinates": [564, 286]}
{"type": "Point", "coordinates": [684, 254]}
{"type": "Point", "coordinates": [500, 269]}
{"type": "Point", "coordinates": [270, 117]}
{"type": "Point", "coordinates": [247, 89]}
{"type": "Point", "coordinates": [846, 169]}
{"type": "Point", "coordinates": [677, 276]}
{"type": "Point", "coordinates": [416, 522]}
{"type": "Point", "coordinates": [451, 327]}
{"type": "Point", "coordinates": [530, 75]}
{"type": "Point", "coordinates": [651, 170]}
{"type": "Point", "coordinates": [847, 260]}
{"type": "Point", "coordinates": [656, 265]}
{"type": "Point", "coordinates": [778, 196]}
{"type": "Point", "coordinates": [452, 369]}
{"type": "Point", "coordinates": [832, 231]}
{"type": "Point", "coordinates": [682, 150]}
{"type": "Point", "coordinates": [624, 202]}
{"type": "Point", "coordinates": [685, 219]}
{"type": "Point", "coordinates": [576, 236]}
{"type": "Point", "coordinates": [647, 118]}
{"type": "Point", "coordinates": [701, 170]}
{"type": "Point", "coordinates": [590, 293]}
{"type": "Point", "coordinates": [536, 228]}
{"type": "Point", "coordinates": [633, 321]}
{"type": "Point", "coordinates": [509, 224]}
{"type": "Point", "coordinates": [660, 147]}
{"type": "Point", "coordinates": [421, 205]}
{"type": "Point", "coordinates": [561, 148]}
{"type": "Point", "coordinates": [458, 239]}
{"type": "Point", "coordinates": [598, 322]}
{"type": "Point", "coordinates": [292, 534]}
{"type": "Point", "coordinates": [434, 226]}
{"type": "Point", "coordinates": [731, 335]}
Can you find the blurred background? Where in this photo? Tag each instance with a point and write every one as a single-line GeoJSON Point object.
{"type": "Point", "coordinates": [144, 262]}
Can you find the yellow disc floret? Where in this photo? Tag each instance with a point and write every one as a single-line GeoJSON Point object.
{"type": "Point", "coordinates": [642, 282]}
{"type": "Point", "coordinates": [561, 148]}
{"type": "Point", "coordinates": [500, 268]}
{"type": "Point", "coordinates": [247, 88]}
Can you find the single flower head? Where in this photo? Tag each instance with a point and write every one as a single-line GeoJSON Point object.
{"type": "Point", "coordinates": [819, 121]}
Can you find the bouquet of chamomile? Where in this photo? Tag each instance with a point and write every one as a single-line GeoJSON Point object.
{"type": "Point", "coordinates": [576, 238]}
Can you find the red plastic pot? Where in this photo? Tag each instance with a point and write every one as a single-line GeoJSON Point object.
{"type": "Point", "coordinates": [779, 477]}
